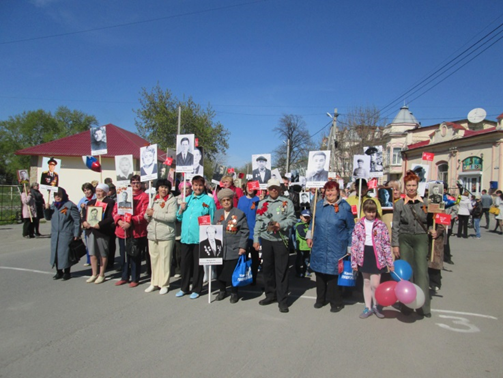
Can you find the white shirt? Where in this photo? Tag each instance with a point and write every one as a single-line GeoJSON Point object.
{"type": "Point", "coordinates": [368, 231]}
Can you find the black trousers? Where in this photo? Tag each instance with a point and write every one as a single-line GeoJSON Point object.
{"type": "Point", "coordinates": [275, 270]}
{"type": "Point", "coordinates": [112, 247]}
{"type": "Point", "coordinates": [176, 264]}
{"type": "Point", "coordinates": [463, 225]}
{"type": "Point", "coordinates": [447, 246]}
{"type": "Point", "coordinates": [190, 268]}
{"type": "Point", "coordinates": [254, 258]}
{"type": "Point", "coordinates": [301, 262]}
{"type": "Point", "coordinates": [28, 227]}
{"type": "Point", "coordinates": [435, 276]}
{"type": "Point", "coordinates": [486, 214]}
{"type": "Point", "coordinates": [327, 290]}
{"type": "Point", "coordinates": [36, 225]}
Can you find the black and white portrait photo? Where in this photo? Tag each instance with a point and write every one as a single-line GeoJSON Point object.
{"type": "Point", "coordinates": [304, 199]}
{"type": "Point", "coordinates": [376, 160]}
{"type": "Point", "coordinates": [218, 173]}
{"type": "Point", "coordinates": [361, 166]}
{"type": "Point", "coordinates": [261, 169]}
{"type": "Point", "coordinates": [98, 140]}
{"type": "Point", "coordinates": [49, 179]}
{"type": "Point", "coordinates": [317, 168]}
{"type": "Point", "coordinates": [385, 196]}
{"type": "Point", "coordinates": [148, 167]}
{"type": "Point", "coordinates": [211, 245]}
{"type": "Point", "coordinates": [124, 200]}
{"type": "Point", "coordinates": [94, 215]}
{"type": "Point", "coordinates": [435, 193]}
{"type": "Point", "coordinates": [422, 170]}
{"type": "Point", "coordinates": [185, 153]}
{"type": "Point", "coordinates": [197, 165]}
{"type": "Point", "coordinates": [123, 168]}
{"type": "Point", "coordinates": [23, 177]}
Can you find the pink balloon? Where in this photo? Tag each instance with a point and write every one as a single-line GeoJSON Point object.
{"type": "Point", "coordinates": [419, 301]}
{"type": "Point", "coordinates": [385, 293]}
{"type": "Point", "coordinates": [405, 292]}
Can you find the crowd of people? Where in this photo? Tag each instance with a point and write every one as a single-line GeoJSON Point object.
{"type": "Point", "coordinates": [322, 227]}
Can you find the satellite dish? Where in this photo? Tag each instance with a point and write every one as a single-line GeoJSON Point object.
{"type": "Point", "coordinates": [477, 115]}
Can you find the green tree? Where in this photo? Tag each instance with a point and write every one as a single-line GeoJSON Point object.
{"type": "Point", "coordinates": [32, 128]}
{"type": "Point", "coordinates": [157, 121]}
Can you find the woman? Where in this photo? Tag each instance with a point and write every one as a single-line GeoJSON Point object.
{"type": "Point", "coordinates": [196, 205]}
{"type": "Point", "coordinates": [185, 189]}
{"type": "Point", "coordinates": [197, 167]}
{"type": "Point", "coordinates": [499, 204]}
{"type": "Point", "coordinates": [333, 224]}
{"type": "Point", "coordinates": [29, 213]}
{"type": "Point", "coordinates": [161, 218]}
{"type": "Point", "coordinates": [464, 211]}
{"type": "Point", "coordinates": [228, 182]}
{"type": "Point", "coordinates": [89, 193]}
{"type": "Point", "coordinates": [409, 238]}
{"type": "Point", "coordinates": [98, 235]}
{"type": "Point", "coordinates": [65, 227]}
{"type": "Point", "coordinates": [39, 204]}
{"type": "Point", "coordinates": [248, 204]}
{"type": "Point", "coordinates": [235, 241]}
{"type": "Point", "coordinates": [397, 189]}
{"type": "Point", "coordinates": [132, 227]}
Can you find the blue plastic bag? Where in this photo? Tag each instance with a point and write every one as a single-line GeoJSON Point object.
{"type": "Point", "coordinates": [348, 276]}
{"type": "Point", "coordinates": [242, 275]}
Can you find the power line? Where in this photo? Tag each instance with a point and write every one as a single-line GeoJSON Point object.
{"type": "Point", "coordinates": [130, 23]}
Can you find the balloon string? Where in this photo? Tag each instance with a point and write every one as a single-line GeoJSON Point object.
{"type": "Point", "coordinates": [400, 278]}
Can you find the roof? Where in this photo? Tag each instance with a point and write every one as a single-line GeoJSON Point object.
{"type": "Point", "coordinates": [405, 116]}
{"type": "Point", "coordinates": [468, 133]}
{"type": "Point", "coordinates": [119, 142]}
{"type": "Point", "coordinates": [500, 116]}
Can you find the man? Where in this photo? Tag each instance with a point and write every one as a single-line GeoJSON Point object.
{"type": "Point", "coordinates": [50, 177]}
{"type": "Point", "coordinates": [275, 218]}
{"type": "Point", "coordinates": [184, 158]}
{"type": "Point", "coordinates": [487, 202]}
{"type": "Point", "coordinates": [98, 140]}
{"type": "Point", "coordinates": [210, 247]}
{"type": "Point", "coordinates": [123, 202]}
{"type": "Point", "coordinates": [354, 201]}
{"type": "Point", "coordinates": [360, 171]}
{"type": "Point", "coordinates": [319, 173]}
{"type": "Point", "coordinates": [435, 196]}
{"type": "Point", "coordinates": [261, 173]}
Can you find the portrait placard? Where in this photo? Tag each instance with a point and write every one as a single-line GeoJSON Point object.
{"type": "Point", "coordinates": [218, 173]}
{"type": "Point", "coordinates": [385, 196]}
{"type": "Point", "coordinates": [317, 169]}
{"type": "Point", "coordinates": [123, 169]}
{"type": "Point", "coordinates": [435, 197]}
{"type": "Point", "coordinates": [261, 169]}
{"type": "Point", "coordinates": [94, 215]}
{"type": "Point", "coordinates": [49, 179]}
{"type": "Point", "coordinates": [23, 177]}
{"type": "Point", "coordinates": [211, 245]}
{"type": "Point", "coordinates": [124, 200]}
{"type": "Point", "coordinates": [422, 170]}
{"type": "Point", "coordinates": [361, 166]}
{"type": "Point", "coordinates": [185, 153]}
{"type": "Point", "coordinates": [376, 160]}
{"type": "Point", "coordinates": [98, 140]}
{"type": "Point", "coordinates": [148, 167]}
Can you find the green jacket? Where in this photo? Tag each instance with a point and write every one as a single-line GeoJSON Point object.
{"type": "Point", "coordinates": [279, 210]}
{"type": "Point", "coordinates": [300, 234]}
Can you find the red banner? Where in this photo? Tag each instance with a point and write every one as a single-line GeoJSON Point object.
{"type": "Point", "coordinates": [196, 142]}
{"type": "Point", "coordinates": [253, 185]}
{"type": "Point", "coordinates": [354, 209]}
{"type": "Point", "coordinates": [372, 183]}
{"type": "Point", "coordinates": [204, 220]}
{"type": "Point", "coordinates": [441, 218]}
{"type": "Point", "coordinates": [168, 161]}
{"type": "Point", "coordinates": [230, 170]}
{"type": "Point", "coordinates": [241, 175]}
{"type": "Point", "coordinates": [428, 156]}
{"type": "Point", "coordinates": [127, 218]}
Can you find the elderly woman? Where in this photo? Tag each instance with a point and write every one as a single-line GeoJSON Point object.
{"type": "Point", "coordinates": [329, 238]}
{"type": "Point", "coordinates": [89, 193]}
{"type": "Point", "coordinates": [196, 205]}
{"type": "Point", "coordinates": [29, 213]}
{"type": "Point", "coordinates": [235, 238]}
{"type": "Point", "coordinates": [65, 227]}
{"type": "Point", "coordinates": [397, 189]}
{"type": "Point", "coordinates": [409, 237]}
{"type": "Point", "coordinates": [228, 182]}
{"type": "Point", "coordinates": [39, 204]}
{"type": "Point", "coordinates": [98, 234]}
{"type": "Point", "coordinates": [161, 218]}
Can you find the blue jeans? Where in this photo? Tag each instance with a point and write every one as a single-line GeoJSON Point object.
{"type": "Point", "coordinates": [476, 226]}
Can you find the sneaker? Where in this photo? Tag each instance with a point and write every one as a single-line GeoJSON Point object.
{"type": "Point", "coordinates": [99, 280]}
{"type": "Point", "coordinates": [121, 282]}
{"type": "Point", "coordinates": [150, 289]}
{"type": "Point", "coordinates": [378, 313]}
{"type": "Point", "coordinates": [177, 275]}
{"type": "Point", "coordinates": [164, 290]}
{"type": "Point", "coordinates": [366, 313]}
{"type": "Point", "coordinates": [86, 264]}
{"type": "Point", "coordinates": [91, 279]}
{"type": "Point", "coordinates": [194, 296]}
{"type": "Point", "coordinates": [180, 294]}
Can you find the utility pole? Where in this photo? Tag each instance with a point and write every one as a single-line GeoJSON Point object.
{"type": "Point", "coordinates": [287, 155]}
{"type": "Point", "coordinates": [179, 119]}
{"type": "Point", "coordinates": [332, 141]}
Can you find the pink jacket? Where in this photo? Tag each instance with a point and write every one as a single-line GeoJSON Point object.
{"type": "Point", "coordinates": [380, 240]}
{"type": "Point", "coordinates": [139, 223]}
{"type": "Point", "coordinates": [28, 204]}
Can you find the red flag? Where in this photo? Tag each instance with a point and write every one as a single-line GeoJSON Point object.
{"type": "Point", "coordinates": [196, 142]}
{"type": "Point", "coordinates": [441, 218]}
{"type": "Point", "coordinates": [372, 183]}
{"type": "Point", "coordinates": [253, 185]}
{"type": "Point", "coordinates": [168, 161]}
{"type": "Point", "coordinates": [127, 218]}
{"type": "Point", "coordinates": [230, 170]}
{"type": "Point", "coordinates": [354, 209]}
{"type": "Point", "coordinates": [204, 220]}
{"type": "Point", "coordinates": [241, 175]}
{"type": "Point", "coordinates": [428, 156]}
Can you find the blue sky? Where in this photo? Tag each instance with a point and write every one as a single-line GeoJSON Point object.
{"type": "Point", "coordinates": [253, 61]}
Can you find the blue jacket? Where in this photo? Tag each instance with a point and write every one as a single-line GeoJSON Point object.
{"type": "Point", "coordinates": [196, 206]}
{"type": "Point", "coordinates": [249, 206]}
{"type": "Point", "coordinates": [332, 236]}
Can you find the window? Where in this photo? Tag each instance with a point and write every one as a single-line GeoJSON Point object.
{"type": "Point", "coordinates": [396, 156]}
{"type": "Point", "coordinates": [442, 173]}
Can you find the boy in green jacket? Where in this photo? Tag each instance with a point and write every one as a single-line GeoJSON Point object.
{"type": "Point", "coordinates": [303, 251]}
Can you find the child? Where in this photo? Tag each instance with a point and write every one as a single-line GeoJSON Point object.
{"type": "Point", "coordinates": [303, 251]}
{"type": "Point", "coordinates": [371, 253]}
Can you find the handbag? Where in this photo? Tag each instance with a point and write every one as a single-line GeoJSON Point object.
{"type": "Point", "coordinates": [348, 276]}
{"type": "Point", "coordinates": [494, 210]}
{"type": "Point", "coordinates": [242, 275]}
{"type": "Point", "coordinates": [77, 251]}
{"type": "Point", "coordinates": [133, 247]}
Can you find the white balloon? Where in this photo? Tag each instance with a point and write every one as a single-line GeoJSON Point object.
{"type": "Point", "coordinates": [419, 301]}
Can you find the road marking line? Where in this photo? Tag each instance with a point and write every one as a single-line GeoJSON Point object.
{"type": "Point", "coordinates": [25, 270]}
{"type": "Point", "coordinates": [466, 313]}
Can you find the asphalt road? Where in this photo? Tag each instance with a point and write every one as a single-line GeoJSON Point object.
{"type": "Point", "coordinates": [73, 329]}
